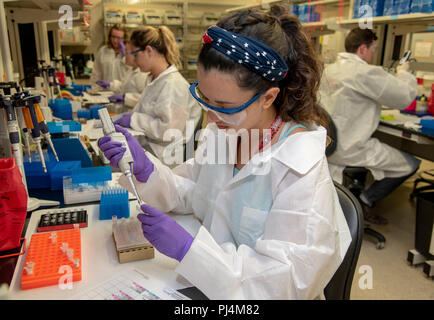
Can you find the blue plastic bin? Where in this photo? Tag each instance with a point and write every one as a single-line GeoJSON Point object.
{"type": "Point", "coordinates": [84, 114]}
{"type": "Point", "coordinates": [59, 170]}
{"type": "Point", "coordinates": [427, 126]}
{"type": "Point", "coordinates": [72, 149]}
{"type": "Point", "coordinates": [62, 109]}
{"type": "Point", "coordinates": [36, 178]}
{"type": "Point", "coordinates": [94, 111]}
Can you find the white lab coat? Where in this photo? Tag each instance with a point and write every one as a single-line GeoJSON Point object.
{"type": "Point", "coordinates": [108, 66]}
{"type": "Point", "coordinates": [265, 234]}
{"type": "Point", "coordinates": [352, 91]}
{"type": "Point", "coordinates": [131, 86]}
{"type": "Point", "coordinates": [166, 103]}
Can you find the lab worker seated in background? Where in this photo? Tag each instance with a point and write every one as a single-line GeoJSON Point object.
{"type": "Point", "coordinates": [165, 102]}
{"type": "Point", "coordinates": [272, 226]}
{"type": "Point", "coordinates": [353, 91]}
{"type": "Point", "coordinates": [129, 89]}
{"type": "Point", "coordinates": [108, 64]}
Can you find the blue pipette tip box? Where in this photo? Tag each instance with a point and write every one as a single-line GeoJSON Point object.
{"type": "Point", "coordinates": [114, 202]}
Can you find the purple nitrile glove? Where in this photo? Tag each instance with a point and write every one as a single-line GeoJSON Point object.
{"type": "Point", "coordinates": [164, 233]}
{"type": "Point", "coordinates": [125, 120]}
{"type": "Point", "coordinates": [116, 98]}
{"type": "Point", "coordinates": [103, 84]}
{"type": "Point", "coordinates": [122, 46]}
{"type": "Point", "coordinates": [142, 167]}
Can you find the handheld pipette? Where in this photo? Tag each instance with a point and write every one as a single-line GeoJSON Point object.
{"type": "Point", "coordinates": [21, 123]}
{"type": "Point", "coordinates": [126, 161]}
{"type": "Point", "coordinates": [34, 102]}
{"type": "Point", "coordinates": [32, 123]}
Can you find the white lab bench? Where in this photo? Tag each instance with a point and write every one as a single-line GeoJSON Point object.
{"type": "Point", "coordinates": [99, 258]}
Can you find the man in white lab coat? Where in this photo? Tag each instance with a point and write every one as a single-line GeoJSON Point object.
{"type": "Point", "coordinates": [353, 91]}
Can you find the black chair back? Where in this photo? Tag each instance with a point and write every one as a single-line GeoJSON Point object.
{"type": "Point", "coordinates": [339, 287]}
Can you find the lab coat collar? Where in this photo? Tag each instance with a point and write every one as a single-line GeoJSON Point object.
{"type": "Point", "coordinates": [170, 69]}
{"type": "Point", "coordinates": [299, 152]}
{"type": "Point", "coordinates": [350, 56]}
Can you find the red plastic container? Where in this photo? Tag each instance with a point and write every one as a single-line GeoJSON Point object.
{"type": "Point", "coordinates": [61, 77]}
{"type": "Point", "coordinates": [431, 101]}
{"type": "Point", "coordinates": [13, 204]}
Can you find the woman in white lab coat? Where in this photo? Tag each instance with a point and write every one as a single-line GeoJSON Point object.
{"type": "Point", "coordinates": [354, 100]}
{"type": "Point", "coordinates": [106, 68]}
{"type": "Point", "coordinates": [165, 102]}
{"type": "Point", "coordinates": [272, 226]}
{"type": "Point", "coordinates": [129, 89]}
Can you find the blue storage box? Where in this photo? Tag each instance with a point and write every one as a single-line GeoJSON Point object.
{"type": "Point", "coordinates": [84, 114]}
{"type": "Point", "coordinates": [63, 126]}
{"type": "Point", "coordinates": [59, 170]}
{"type": "Point", "coordinates": [72, 149]}
{"type": "Point", "coordinates": [427, 126]}
{"type": "Point", "coordinates": [78, 89]}
{"type": "Point", "coordinates": [94, 111]}
{"type": "Point", "coordinates": [62, 109]}
{"type": "Point", "coordinates": [36, 178]}
{"type": "Point", "coordinates": [91, 174]}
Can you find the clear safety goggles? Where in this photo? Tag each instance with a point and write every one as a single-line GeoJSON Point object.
{"type": "Point", "coordinates": [231, 116]}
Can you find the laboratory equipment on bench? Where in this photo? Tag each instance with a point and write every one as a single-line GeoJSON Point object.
{"type": "Point", "coordinates": [126, 162]}
{"type": "Point", "coordinates": [32, 120]}
{"type": "Point", "coordinates": [32, 102]}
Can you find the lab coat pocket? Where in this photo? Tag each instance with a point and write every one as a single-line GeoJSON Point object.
{"type": "Point", "coordinates": [251, 226]}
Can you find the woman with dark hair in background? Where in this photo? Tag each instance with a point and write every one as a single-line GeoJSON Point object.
{"type": "Point", "coordinates": [272, 226]}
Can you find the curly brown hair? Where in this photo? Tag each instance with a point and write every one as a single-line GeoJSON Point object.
{"type": "Point", "coordinates": [284, 33]}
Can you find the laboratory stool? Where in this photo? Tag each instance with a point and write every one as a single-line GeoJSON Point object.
{"type": "Point", "coordinates": [354, 179]}
{"type": "Point", "coordinates": [427, 177]}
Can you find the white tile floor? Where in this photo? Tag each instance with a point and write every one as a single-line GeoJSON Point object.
{"type": "Point", "coordinates": [392, 276]}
